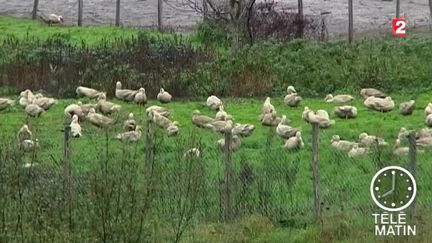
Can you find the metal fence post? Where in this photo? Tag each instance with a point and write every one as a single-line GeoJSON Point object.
{"type": "Point", "coordinates": [412, 163]}
{"type": "Point", "coordinates": [117, 18]}
{"type": "Point", "coordinates": [350, 21]}
{"type": "Point", "coordinates": [68, 171]}
{"type": "Point", "coordinates": [315, 170]}
{"type": "Point", "coordinates": [228, 176]}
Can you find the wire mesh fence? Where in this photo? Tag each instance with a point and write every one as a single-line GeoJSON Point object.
{"type": "Point", "coordinates": [158, 188]}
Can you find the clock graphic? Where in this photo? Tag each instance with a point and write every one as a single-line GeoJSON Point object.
{"type": "Point", "coordinates": [393, 188]}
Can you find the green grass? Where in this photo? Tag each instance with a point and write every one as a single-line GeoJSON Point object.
{"type": "Point", "coordinates": [344, 182]}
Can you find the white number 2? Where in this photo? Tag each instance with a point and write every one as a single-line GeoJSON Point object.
{"type": "Point", "coordinates": [401, 27]}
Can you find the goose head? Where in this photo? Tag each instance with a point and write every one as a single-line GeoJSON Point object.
{"type": "Point", "coordinates": [131, 115]}
{"type": "Point", "coordinates": [363, 135]}
{"type": "Point", "coordinates": [291, 89]}
{"type": "Point", "coordinates": [328, 97]}
{"type": "Point", "coordinates": [118, 85]}
{"type": "Point", "coordinates": [335, 138]}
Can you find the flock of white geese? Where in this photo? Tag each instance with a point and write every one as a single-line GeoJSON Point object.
{"type": "Point", "coordinates": [99, 113]}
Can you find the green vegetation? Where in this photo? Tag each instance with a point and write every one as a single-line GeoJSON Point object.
{"type": "Point", "coordinates": [119, 197]}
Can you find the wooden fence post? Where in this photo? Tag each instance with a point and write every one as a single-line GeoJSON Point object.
{"type": "Point", "coordinates": [117, 18]}
{"type": "Point", "coordinates": [80, 12]}
{"type": "Point", "coordinates": [350, 21]}
{"type": "Point", "coordinates": [159, 9]}
{"type": "Point", "coordinates": [205, 9]}
{"type": "Point", "coordinates": [300, 18]}
{"type": "Point", "coordinates": [35, 8]}
{"type": "Point", "coordinates": [412, 154]}
{"type": "Point", "coordinates": [228, 176]}
{"type": "Point", "coordinates": [397, 8]}
{"type": "Point", "coordinates": [68, 171]}
{"type": "Point", "coordinates": [315, 170]}
{"type": "Point", "coordinates": [430, 14]}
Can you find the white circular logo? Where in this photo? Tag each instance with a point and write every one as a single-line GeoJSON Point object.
{"type": "Point", "coordinates": [393, 188]}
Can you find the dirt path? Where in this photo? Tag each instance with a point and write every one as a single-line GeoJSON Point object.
{"type": "Point", "coordinates": [368, 14]}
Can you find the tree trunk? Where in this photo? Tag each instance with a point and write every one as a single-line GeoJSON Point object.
{"type": "Point", "coordinates": [430, 13]}
{"type": "Point", "coordinates": [159, 15]}
{"type": "Point", "coordinates": [80, 12]}
{"type": "Point", "coordinates": [35, 8]}
{"type": "Point", "coordinates": [300, 19]}
{"type": "Point", "coordinates": [350, 21]}
{"type": "Point", "coordinates": [117, 18]}
{"type": "Point", "coordinates": [205, 10]}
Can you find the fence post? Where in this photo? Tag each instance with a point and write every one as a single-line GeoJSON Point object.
{"type": "Point", "coordinates": [315, 170]}
{"type": "Point", "coordinates": [35, 8]}
{"type": "Point", "coordinates": [228, 176]}
{"type": "Point", "coordinates": [350, 21]}
{"type": "Point", "coordinates": [412, 162]}
{"type": "Point", "coordinates": [430, 13]}
{"type": "Point", "coordinates": [80, 12]}
{"type": "Point", "coordinates": [159, 9]}
{"type": "Point", "coordinates": [117, 18]}
{"type": "Point", "coordinates": [68, 171]}
{"type": "Point", "coordinates": [397, 8]}
{"type": "Point", "coordinates": [205, 10]}
{"type": "Point", "coordinates": [300, 18]}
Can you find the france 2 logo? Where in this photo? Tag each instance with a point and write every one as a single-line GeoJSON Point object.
{"type": "Point", "coordinates": [399, 26]}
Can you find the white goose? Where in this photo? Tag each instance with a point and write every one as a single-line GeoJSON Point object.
{"type": "Point", "coordinates": [124, 94]}
{"type": "Point", "coordinates": [295, 142]}
{"type": "Point", "coordinates": [214, 102]}
{"type": "Point", "coordinates": [5, 103]}
{"type": "Point", "coordinates": [284, 130]}
{"type": "Point", "coordinates": [75, 127]}
{"type": "Point", "coordinates": [163, 96]}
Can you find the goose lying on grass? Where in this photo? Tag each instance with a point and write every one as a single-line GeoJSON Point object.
{"type": "Point", "coordinates": [285, 131]}
{"type": "Point", "coordinates": [44, 102]}
{"type": "Point", "coordinates": [368, 92]}
{"type": "Point", "coordinates": [295, 142]}
{"type": "Point", "coordinates": [338, 99]}
{"type": "Point", "coordinates": [213, 102]}
{"type": "Point", "coordinates": [291, 90]}
{"type": "Point", "coordinates": [140, 97]}
{"type": "Point", "coordinates": [192, 153]}
{"type": "Point", "coordinates": [129, 124]}
{"type": "Point", "coordinates": [74, 109]}
{"type": "Point", "coordinates": [173, 129]}
{"type": "Point", "coordinates": [267, 108]}
{"type": "Point", "coordinates": [25, 139]}
{"type": "Point", "coordinates": [292, 100]}
{"type": "Point", "coordinates": [407, 108]}
{"type": "Point", "coordinates": [130, 136]}
{"type": "Point", "coordinates": [270, 120]}
{"type": "Point", "coordinates": [5, 103]}
{"type": "Point", "coordinates": [345, 111]}
{"type": "Point", "coordinates": [343, 145]}
{"type": "Point", "coordinates": [160, 120]}
{"type": "Point", "coordinates": [26, 98]}
{"type": "Point", "coordinates": [370, 140]}
{"type": "Point", "coordinates": [379, 104]}
{"type": "Point", "coordinates": [24, 133]}
{"type": "Point", "coordinates": [220, 126]}
{"type": "Point", "coordinates": [243, 130]}
{"type": "Point", "coordinates": [201, 120]}
{"type": "Point", "coordinates": [82, 91]}
{"type": "Point", "coordinates": [221, 115]}
{"type": "Point", "coordinates": [34, 110]}
{"type": "Point", "coordinates": [106, 107]}
{"type": "Point", "coordinates": [424, 142]}
{"type": "Point", "coordinates": [319, 117]}
{"type": "Point", "coordinates": [428, 120]}
{"type": "Point", "coordinates": [86, 107]}
{"type": "Point", "coordinates": [99, 120]}
{"type": "Point", "coordinates": [235, 143]}
{"type": "Point", "coordinates": [163, 96]}
{"type": "Point", "coordinates": [75, 127]}
{"type": "Point", "coordinates": [428, 109]}
{"type": "Point", "coordinates": [357, 151]}
{"type": "Point", "coordinates": [424, 132]}
{"type": "Point", "coordinates": [29, 145]}
{"type": "Point", "coordinates": [160, 110]}
{"type": "Point", "coordinates": [124, 94]}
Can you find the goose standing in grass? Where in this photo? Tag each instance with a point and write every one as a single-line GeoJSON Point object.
{"type": "Point", "coordinates": [243, 130]}
{"type": "Point", "coordinates": [99, 120]}
{"type": "Point", "coordinates": [44, 102]}
{"type": "Point", "coordinates": [201, 120]}
{"type": "Point", "coordinates": [399, 150]}
{"type": "Point", "coordinates": [370, 140]}
{"type": "Point", "coordinates": [407, 108]}
{"type": "Point", "coordinates": [130, 123]}
{"type": "Point", "coordinates": [368, 92]}
{"type": "Point", "coordinates": [74, 109]}
{"type": "Point", "coordinates": [285, 131]}
{"type": "Point", "coordinates": [235, 143]}
{"type": "Point", "coordinates": [140, 97]}
{"type": "Point", "coordinates": [34, 110]}
{"type": "Point", "coordinates": [163, 96]}
{"type": "Point", "coordinates": [24, 133]}
{"type": "Point", "coordinates": [192, 153]}
{"type": "Point", "coordinates": [173, 129]}
{"type": "Point", "coordinates": [345, 111]}
{"type": "Point", "coordinates": [357, 151]}
{"type": "Point", "coordinates": [221, 115]}
{"type": "Point", "coordinates": [51, 19]}
{"type": "Point", "coordinates": [343, 145]}
{"type": "Point", "coordinates": [75, 127]}
{"type": "Point", "coordinates": [124, 94]}
{"type": "Point", "coordinates": [267, 108]}
{"type": "Point", "coordinates": [82, 91]}
{"type": "Point", "coordinates": [338, 99]}
{"type": "Point", "coordinates": [130, 136]}
{"type": "Point", "coordinates": [106, 107]}
{"type": "Point", "coordinates": [160, 110]}
{"type": "Point", "coordinates": [5, 103]}
{"type": "Point", "coordinates": [214, 102]}
{"type": "Point", "coordinates": [379, 104]}
{"type": "Point", "coordinates": [292, 100]}
{"type": "Point", "coordinates": [295, 142]}
{"type": "Point", "coordinates": [428, 109]}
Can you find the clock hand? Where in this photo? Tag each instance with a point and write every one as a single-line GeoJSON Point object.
{"type": "Point", "coordinates": [387, 193]}
{"type": "Point", "coordinates": [394, 182]}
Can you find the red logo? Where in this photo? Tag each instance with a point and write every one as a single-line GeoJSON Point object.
{"type": "Point", "coordinates": [399, 26]}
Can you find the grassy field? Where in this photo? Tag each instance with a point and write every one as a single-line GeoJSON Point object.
{"type": "Point", "coordinates": [281, 187]}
